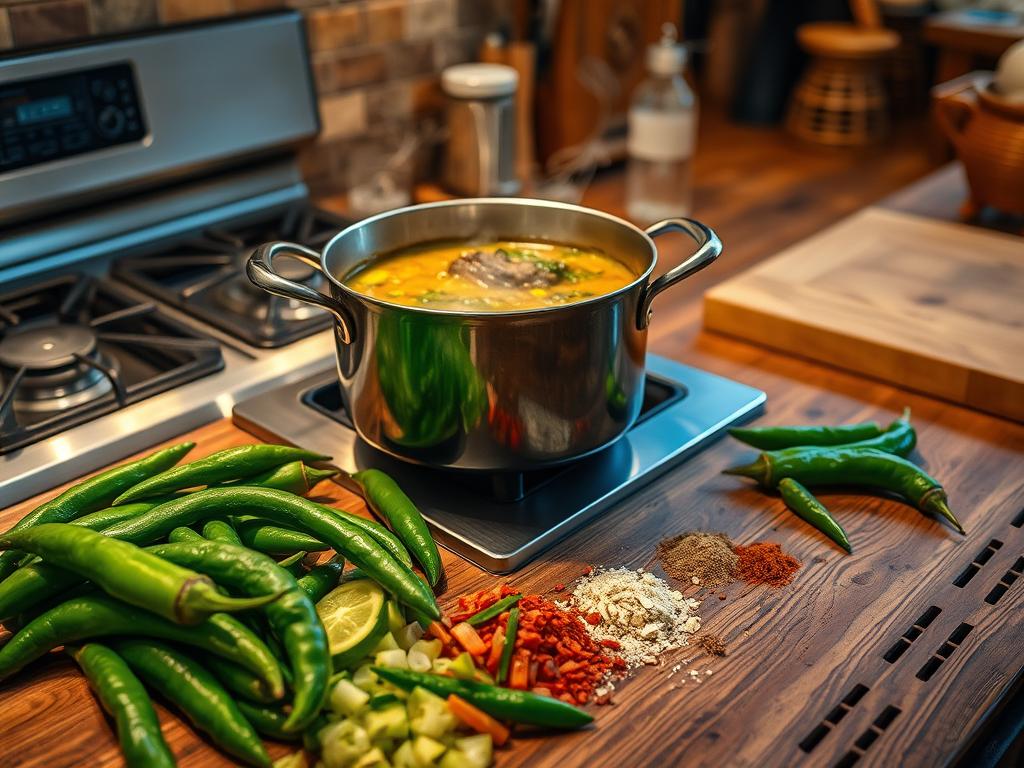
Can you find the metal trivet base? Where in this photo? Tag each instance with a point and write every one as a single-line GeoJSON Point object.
{"type": "Point", "coordinates": [684, 409]}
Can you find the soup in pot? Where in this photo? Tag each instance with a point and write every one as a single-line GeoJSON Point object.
{"type": "Point", "coordinates": [498, 276]}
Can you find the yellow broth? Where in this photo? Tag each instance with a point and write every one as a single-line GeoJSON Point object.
{"type": "Point", "coordinates": [425, 276]}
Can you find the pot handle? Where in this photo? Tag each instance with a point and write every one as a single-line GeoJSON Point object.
{"type": "Point", "coordinates": [708, 249]}
{"type": "Point", "coordinates": [260, 269]}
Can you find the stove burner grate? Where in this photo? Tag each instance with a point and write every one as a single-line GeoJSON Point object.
{"type": "Point", "coordinates": [205, 277]}
{"type": "Point", "coordinates": [75, 348]}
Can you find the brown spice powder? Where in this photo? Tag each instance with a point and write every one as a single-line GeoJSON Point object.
{"type": "Point", "coordinates": [712, 645]}
{"type": "Point", "coordinates": [707, 557]}
{"type": "Point", "coordinates": [765, 563]}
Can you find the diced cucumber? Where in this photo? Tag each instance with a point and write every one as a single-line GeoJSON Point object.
{"type": "Point", "coordinates": [408, 635]}
{"type": "Point", "coordinates": [429, 714]}
{"type": "Point", "coordinates": [453, 758]}
{"type": "Point", "coordinates": [396, 619]}
{"type": "Point", "coordinates": [388, 723]}
{"type": "Point", "coordinates": [343, 743]}
{"type": "Point", "coordinates": [463, 667]}
{"type": "Point", "coordinates": [418, 662]}
{"type": "Point", "coordinates": [375, 758]}
{"type": "Point", "coordinates": [442, 666]}
{"type": "Point", "coordinates": [365, 678]}
{"type": "Point", "coordinates": [294, 760]}
{"type": "Point", "coordinates": [430, 648]}
{"type": "Point", "coordinates": [478, 749]}
{"type": "Point", "coordinates": [387, 643]}
{"type": "Point", "coordinates": [348, 699]}
{"type": "Point", "coordinates": [403, 757]}
{"type": "Point", "coordinates": [426, 750]}
{"type": "Point", "coordinates": [395, 658]}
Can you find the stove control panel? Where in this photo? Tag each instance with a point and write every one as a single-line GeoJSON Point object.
{"type": "Point", "coordinates": [49, 118]}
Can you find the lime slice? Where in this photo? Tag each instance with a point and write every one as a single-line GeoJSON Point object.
{"type": "Point", "coordinates": [355, 616]}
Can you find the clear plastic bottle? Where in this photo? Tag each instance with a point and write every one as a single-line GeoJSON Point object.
{"type": "Point", "coordinates": [662, 135]}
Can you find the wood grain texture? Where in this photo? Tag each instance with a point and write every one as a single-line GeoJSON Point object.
{"type": "Point", "coordinates": [793, 653]}
{"type": "Point", "coordinates": [927, 305]}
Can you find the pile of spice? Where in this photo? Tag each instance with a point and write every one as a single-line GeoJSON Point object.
{"type": "Point", "coordinates": [765, 563]}
{"type": "Point", "coordinates": [700, 558]}
{"type": "Point", "coordinates": [635, 612]}
{"type": "Point", "coordinates": [711, 560]}
{"type": "Point", "coordinates": [712, 645]}
{"type": "Point", "coordinates": [552, 653]}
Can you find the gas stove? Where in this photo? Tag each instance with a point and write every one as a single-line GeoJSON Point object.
{"type": "Point", "coordinates": [501, 522]}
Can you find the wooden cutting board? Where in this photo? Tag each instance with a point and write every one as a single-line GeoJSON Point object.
{"type": "Point", "coordinates": [927, 305]}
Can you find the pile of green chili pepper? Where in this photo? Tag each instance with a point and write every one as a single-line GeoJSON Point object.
{"type": "Point", "coordinates": [863, 455]}
{"type": "Point", "coordinates": [158, 576]}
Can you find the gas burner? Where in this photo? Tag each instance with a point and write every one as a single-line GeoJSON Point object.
{"type": "Point", "coordinates": [75, 348]}
{"type": "Point", "coordinates": [206, 278]}
{"type": "Point", "coordinates": [60, 367]}
{"type": "Point", "coordinates": [240, 296]}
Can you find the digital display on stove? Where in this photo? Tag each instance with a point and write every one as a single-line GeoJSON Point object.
{"type": "Point", "coordinates": [57, 116]}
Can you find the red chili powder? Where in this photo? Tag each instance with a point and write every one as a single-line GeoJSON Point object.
{"type": "Point", "coordinates": [765, 563]}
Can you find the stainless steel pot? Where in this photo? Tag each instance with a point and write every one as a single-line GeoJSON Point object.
{"type": "Point", "coordinates": [490, 391]}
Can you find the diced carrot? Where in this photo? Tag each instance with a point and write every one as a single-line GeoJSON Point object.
{"type": "Point", "coordinates": [497, 646]}
{"type": "Point", "coordinates": [478, 720]}
{"type": "Point", "coordinates": [437, 630]}
{"type": "Point", "coordinates": [541, 691]}
{"type": "Point", "coordinates": [519, 676]}
{"type": "Point", "coordinates": [469, 639]}
{"type": "Point", "coordinates": [533, 673]}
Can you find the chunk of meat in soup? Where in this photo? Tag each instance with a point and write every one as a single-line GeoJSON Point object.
{"type": "Point", "coordinates": [495, 269]}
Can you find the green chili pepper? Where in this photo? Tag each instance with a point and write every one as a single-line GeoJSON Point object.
{"type": "Point", "coordinates": [774, 438]}
{"type": "Point", "coordinates": [384, 537]}
{"type": "Point", "coordinates": [93, 494]}
{"type": "Point", "coordinates": [97, 521]}
{"type": "Point", "coordinates": [494, 610]}
{"type": "Point", "coordinates": [273, 540]}
{"type": "Point", "coordinates": [292, 617]}
{"type": "Point", "coordinates": [293, 564]}
{"type": "Point", "coordinates": [511, 629]}
{"type": "Point", "coordinates": [229, 464]}
{"type": "Point", "coordinates": [241, 682]}
{"type": "Point", "coordinates": [124, 697]}
{"type": "Point", "coordinates": [321, 579]}
{"type": "Point", "coordinates": [844, 465]}
{"type": "Point", "coordinates": [89, 616]}
{"type": "Point", "coordinates": [390, 502]}
{"type": "Point", "coordinates": [294, 477]}
{"type": "Point", "coordinates": [289, 510]}
{"type": "Point", "coordinates": [899, 437]}
{"type": "Point", "coordinates": [502, 703]}
{"type": "Point", "coordinates": [805, 506]}
{"type": "Point", "coordinates": [268, 721]}
{"type": "Point", "coordinates": [219, 530]}
{"type": "Point", "coordinates": [180, 534]}
{"type": "Point", "coordinates": [130, 574]}
{"type": "Point", "coordinates": [193, 690]}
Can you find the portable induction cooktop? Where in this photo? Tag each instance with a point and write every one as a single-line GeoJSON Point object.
{"type": "Point", "coordinates": [501, 522]}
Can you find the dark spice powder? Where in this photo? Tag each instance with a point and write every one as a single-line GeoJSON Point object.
{"type": "Point", "coordinates": [712, 645]}
{"type": "Point", "coordinates": [706, 557]}
{"type": "Point", "coordinates": [765, 563]}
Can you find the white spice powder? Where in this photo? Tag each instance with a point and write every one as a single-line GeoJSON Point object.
{"type": "Point", "coordinates": [639, 611]}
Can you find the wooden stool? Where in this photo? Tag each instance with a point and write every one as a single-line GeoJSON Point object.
{"type": "Point", "coordinates": [841, 98]}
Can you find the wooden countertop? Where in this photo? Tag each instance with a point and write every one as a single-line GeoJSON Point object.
{"type": "Point", "coordinates": [794, 654]}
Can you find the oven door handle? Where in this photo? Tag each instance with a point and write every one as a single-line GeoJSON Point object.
{"type": "Point", "coordinates": [708, 249]}
{"type": "Point", "coordinates": [260, 269]}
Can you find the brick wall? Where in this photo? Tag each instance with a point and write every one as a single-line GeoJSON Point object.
{"type": "Point", "coordinates": [375, 61]}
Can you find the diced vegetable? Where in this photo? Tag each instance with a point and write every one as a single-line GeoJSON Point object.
{"type": "Point", "coordinates": [373, 759]}
{"type": "Point", "coordinates": [382, 700]}
{"type": "Point", "coordinates": [388, 723]}
{"type": "Point", "coordinates": [387, 643]}
{"type": "Point", "coordinates": [455, 758]}
{"type": "Point", "coordinates": [418, 661]}
{"type": "Point", "coordinates": [343, 743]}
{"type": "Point", "coordinates": [438, 630]}
{"type": "Point", "coordinates": [396, 620]}
{"type": "Point", "coordinates": [427, 750]}
{"type": "Point", "coordinates": [429, 714]}
{"type": "Point", "coordinates": [347, 699]}
{"type": "Point", "coordinates": [497, 646]}
{"type": "Point", "coordinates": [294, 760]}
{"type": "Point", "coordinates": [468, 638]}
{"type": "Point", "coordinates": [365, 678]}
{"type": "Point", "coordinates": [395, 658]}
{"type": "Point", "coordinates": [408, 635]}
{"type": "Point", "coordinates": [519, 675]}
{"type": "Point", "coordinates": [403, 757]}
{"type": "Point", "coordinates": [431, 648]}
{"type": "Point", "coordinates": [463, 667]}
{"type": "Point", "coordinates": [478, 720]}
{"type": "Point", "coordinates": [442, 666]}
{"type": "Point", "coordinates": [477, 748]}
